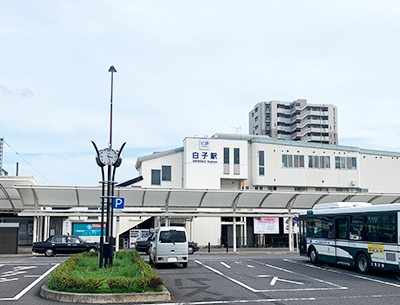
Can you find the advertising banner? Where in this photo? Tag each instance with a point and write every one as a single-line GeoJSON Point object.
{"type": "Point", "coordinates": [89, 232]}
{"type": "Point", "coordinates": [266, 225]}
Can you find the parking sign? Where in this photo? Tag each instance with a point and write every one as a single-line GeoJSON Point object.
{"type": "Point", "coordinates": [119, 203]}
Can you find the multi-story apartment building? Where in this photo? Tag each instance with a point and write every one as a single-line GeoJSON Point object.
{"type": "Point", "coordinates": [295, 121]}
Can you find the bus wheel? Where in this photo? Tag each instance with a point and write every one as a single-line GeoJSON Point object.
{"type": "Point", "coordinates": [362, 263]}
{"type": "Point", "coordinates": [313, 255]}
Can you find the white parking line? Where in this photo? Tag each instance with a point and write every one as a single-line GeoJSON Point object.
{"type": "Point", "coordinates": [19, 295]}
{"type": "Point", "coordinates": [345, 273]}
{"type": "Point", "coordinates": [271, 290]}
{"type": "Point", "coordinates": [226, 265]}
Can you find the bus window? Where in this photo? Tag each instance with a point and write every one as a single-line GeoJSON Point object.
{"type": "Point", "coordinates": [342, 230]}
{"type": "Point", "coordinates": [380, 228]}
{"type": "Point", "coordinates": [356, 227]}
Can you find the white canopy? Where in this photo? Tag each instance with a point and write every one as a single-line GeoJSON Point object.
{"type": "Point", "coordinates": [22, 195]}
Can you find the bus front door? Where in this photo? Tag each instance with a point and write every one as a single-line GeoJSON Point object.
{"type": "Point", "coordinates": [342, 241]}
{"type": "Point", "coordinates": [303, 237]}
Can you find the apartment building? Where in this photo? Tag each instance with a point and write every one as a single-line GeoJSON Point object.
{"type": "Point", "coordinates": [295, 121]}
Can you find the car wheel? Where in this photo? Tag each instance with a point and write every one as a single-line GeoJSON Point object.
{"type": "Point", "coordinates": [92, 250]}
{"type": "Point", "coordinates": [363, 264]}
{"type": "Point", "coordinates": [184, 265]}
{"type": "Point", "coordinates": [191, 250]}
{"type": "Point", "coordinates": [313, 255]}
{"type": "Point", "coordinates": [49, 252]}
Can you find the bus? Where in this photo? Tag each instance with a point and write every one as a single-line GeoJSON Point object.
{"type": "Point", "coordinates": [355, 234]}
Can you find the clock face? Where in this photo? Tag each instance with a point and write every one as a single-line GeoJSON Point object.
{"type": "Point", "coordinates": [108, 156]}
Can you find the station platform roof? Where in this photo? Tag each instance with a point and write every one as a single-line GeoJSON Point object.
{"type": "Point", "coordinates": [23, 196]}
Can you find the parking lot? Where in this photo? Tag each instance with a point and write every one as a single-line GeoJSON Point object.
{"type": "Point", "coordinates": [225, 278]}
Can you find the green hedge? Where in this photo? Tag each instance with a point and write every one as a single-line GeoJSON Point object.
{"type": "Point", "coordinates": [61, 279]}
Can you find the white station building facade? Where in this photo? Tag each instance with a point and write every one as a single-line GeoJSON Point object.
{"type": "Point", "coordinates": [259, 164]}
{"type": "Point", "coordinates": [229, 189]}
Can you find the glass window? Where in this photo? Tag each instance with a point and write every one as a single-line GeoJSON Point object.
{"type": "Point", "coordinates": [166, 173]}
{"type": "Point", "coordinates": [342, 230]}
{"type": "Point", "coordinates": [236, 159]}
{"type": "Point", "coordinates": [381, 228]}
{"type": "Point", "coordinates": [74, 240]}
{"type": "Point", "coordinates": [290, 161]}
{"type": "Point", "coordinates": [320, 227]}
{"type": "Point", "coordinates": [59, 239]}
{"type": "Point", "coordinates": [261, 171]}
{"type": "Point", "coordinates": [261, 158]}
{"type": "Point", "coordinates": [226, 155]}
{"type": "Point", "coordinates": [337, 162]}
{"type": "Point", "coordinates": [356, 231]}
{"type": "Point", "coordinates": [353, 163]}
{"type": "Point", "coordinates": [342, 162]}
{"type": "Point", "coordinates": [155, 177]}
{"type": "Point", "coordinates": [298, 161]}
{"type": "Point", "coordinates": [172, 237]}
{"type": "Point", "coordinates": [284, 161]}
{"type": "Point", "coordinates": [327, 162]}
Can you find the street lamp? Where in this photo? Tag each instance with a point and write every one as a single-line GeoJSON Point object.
{"type": "Point", "coordinates": [110, 158]}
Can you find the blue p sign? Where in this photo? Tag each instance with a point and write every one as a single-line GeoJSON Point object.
{"type": "Point", "coordinates": [119, 203]}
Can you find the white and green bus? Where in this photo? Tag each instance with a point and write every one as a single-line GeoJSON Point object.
{"type": "Point", "coordinates": [353, 234]}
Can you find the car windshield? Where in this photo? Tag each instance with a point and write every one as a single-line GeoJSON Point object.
{"type": "Point", "coordinates": [172, 237]}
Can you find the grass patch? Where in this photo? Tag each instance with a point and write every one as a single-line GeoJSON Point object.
{"type": "Point", "coordinates": [129, 273]}
{"type": "Point", "coordinates": [88, 268]}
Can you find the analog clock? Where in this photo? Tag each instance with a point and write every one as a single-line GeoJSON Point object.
{"type": "Point", "coordinates": [108, 156]}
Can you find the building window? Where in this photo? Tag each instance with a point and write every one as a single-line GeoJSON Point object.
{"type": "Point", "coordinates": [301, 188]}
{"type": "Point", "coordinates": [236, 161]}
{"type": "Point", "coordinates": [272, 188]}
{"type": "Point", "coordinates": [155, 177]}
{"type": "Point", "coordinates": [261, 163]}
{"type": "Point", "coordinates": [346, 162]}
{"type": "Point", "coordinates": [236, 156]}
{"type": "Point", "coordinates": [322, 189]}
{"type": "Point", "coordinates": [319, 162]}
{"type": "Point", "coordinates": [226, 160]}
{"type": "Point", "coordinates": [166, 173]}
{"type": "Point", "coordinates": [342, 190]}
{"type": "Point", "coordinates": [292, 161]}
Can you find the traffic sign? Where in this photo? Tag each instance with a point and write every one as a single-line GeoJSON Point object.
{"type": "Point", "coordinates": [119, 203]}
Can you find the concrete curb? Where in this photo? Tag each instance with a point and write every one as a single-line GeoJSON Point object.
{"type": "Point", "coordinates": [103, 298]}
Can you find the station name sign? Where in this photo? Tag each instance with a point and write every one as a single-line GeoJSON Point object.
{"type": "Point", "coordinates": [202, 156]}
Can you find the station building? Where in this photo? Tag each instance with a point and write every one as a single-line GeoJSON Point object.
{"type": "Point", "coordinates": [260, 164]}
{"type": "Point", "coordinates": [228, 190]}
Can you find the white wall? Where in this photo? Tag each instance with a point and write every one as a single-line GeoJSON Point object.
{"type": "Point", "coordinates": [380, 174]}
{"type": "Point", "coordinates": [277, 175]}
{"type": "Point", "coordinates": [207, 174]}
{"type": "Point", "coordinates": [174, 160]}
{"type": "Point", "coordinates": [207, 230]}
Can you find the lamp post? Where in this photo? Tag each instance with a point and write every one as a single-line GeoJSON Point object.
{"type": "Point", "coordinates": [110, 158]}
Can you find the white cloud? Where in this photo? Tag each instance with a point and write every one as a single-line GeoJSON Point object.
{"type": "Point", "coordinates": [185, 69]}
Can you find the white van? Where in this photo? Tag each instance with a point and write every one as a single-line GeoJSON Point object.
{"type": "Point", "coordinates": [169, 245]}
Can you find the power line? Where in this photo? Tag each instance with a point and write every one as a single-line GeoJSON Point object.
{"type": "Point", "coordinates": [27, 162]}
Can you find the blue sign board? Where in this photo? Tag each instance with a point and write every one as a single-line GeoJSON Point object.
{"type": "Point", "coordinates": [88, 229]}
{"type": "Point", "coordinates": [119, 203]}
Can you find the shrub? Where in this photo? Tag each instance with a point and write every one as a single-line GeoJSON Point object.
{"type": "Point", "coordinates": [135, 279]}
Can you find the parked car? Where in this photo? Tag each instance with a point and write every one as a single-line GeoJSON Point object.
{"type": "Point", "coordinates": [144, 246]}
{"type": "Point", "coordinates": [64, 244]}
{"type": "Point", "coordinates": [169, 245]}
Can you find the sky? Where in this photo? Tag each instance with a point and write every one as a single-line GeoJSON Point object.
{"type": "Point", "coordinates": [184, 69]}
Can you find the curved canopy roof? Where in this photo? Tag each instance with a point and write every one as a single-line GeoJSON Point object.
{"type": "Point", "coordinates": [23, 195]}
